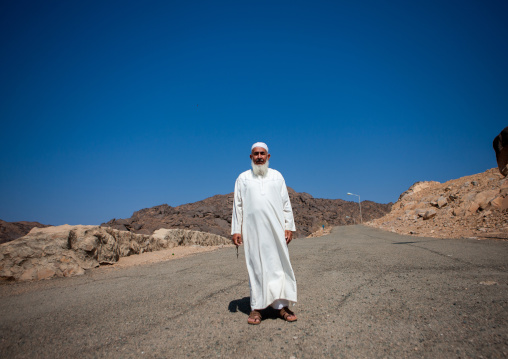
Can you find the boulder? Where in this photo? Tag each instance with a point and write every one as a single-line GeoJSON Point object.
{"type": "Point", "coordinates": [64, 251]}
{"type": "Point", "coordinates": [482, 199]}
{"type": "Point", "coordinates": [440, 202]}
{"type": "Point", "coordinates": [500, 145]}
{"type": "Point", "coordinates": [472, 208]}
{"type": "Point", "coordinates": [420, 212]}
{"type": "Point", "coordinates": [429, 214]}
{"type": "Point", "coordinates": [500, 203]}
{"type": "Point", "coordinates": [182, 237]}
{"type": "Point", "coordinates": [417, 187]}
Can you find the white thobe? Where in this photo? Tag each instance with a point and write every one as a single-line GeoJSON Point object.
{"type": "Point", "coordinates": [261, 213]}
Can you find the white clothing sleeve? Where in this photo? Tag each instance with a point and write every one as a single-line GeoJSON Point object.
{"type": "Point", "coordinates": [289, 222]}
{"type": "Point", "coordinates": [237, 220]}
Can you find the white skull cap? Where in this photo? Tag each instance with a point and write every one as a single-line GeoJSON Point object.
{"type": "Point", "coordinates": [259, 144]}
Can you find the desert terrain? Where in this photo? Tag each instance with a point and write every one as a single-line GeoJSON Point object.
{"type": "Point", "coordinates": [362, 293]}
{"type": "Point", "coordinates": [473, 206]}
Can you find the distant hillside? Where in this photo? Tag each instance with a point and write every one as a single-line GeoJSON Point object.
{"type": "Point", "coordinates": [213, 215]}
{"type": "Point", "coordinates": [471, 206]}
{"type": "Point", "coordinates": [12, 230]}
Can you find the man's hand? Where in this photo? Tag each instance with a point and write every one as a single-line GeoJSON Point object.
{"type": "Point", "coordinates": [237, 239]}
{"type": "Point", "coordinates": [289, 236]}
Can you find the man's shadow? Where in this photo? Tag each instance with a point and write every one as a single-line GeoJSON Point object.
{"type": "Point", "coordinates": [243, 305]}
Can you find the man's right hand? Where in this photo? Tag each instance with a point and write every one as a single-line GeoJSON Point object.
{"type": "Point", "coordinates": [237, 239]}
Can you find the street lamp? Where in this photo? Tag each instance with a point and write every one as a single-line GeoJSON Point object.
{"type": "Point", "coordinates": [359, 203]}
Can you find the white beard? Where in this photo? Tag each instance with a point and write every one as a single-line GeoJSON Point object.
{"type": "Point", "coordinates": [260, 170]}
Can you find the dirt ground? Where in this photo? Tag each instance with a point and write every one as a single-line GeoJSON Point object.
{"type": "Point", "coordinates": [160, 256]}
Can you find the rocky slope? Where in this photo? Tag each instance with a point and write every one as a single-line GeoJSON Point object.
{"type": "Point", "coordinates": [471, 206]}
{"type": "Point", "coordinates": [64, 251]}
{"type": "Point", "coordinates": [12, 230]}
{"type": "Point", "coordinates": [213, 215]}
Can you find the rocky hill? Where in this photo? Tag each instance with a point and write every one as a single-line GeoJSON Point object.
{"type": "Point", "coordinates": [213, 215]}
{"type": "Point", "coordinates": [471, 206]}
{"type": "Point", "coordinates": [12, 230]}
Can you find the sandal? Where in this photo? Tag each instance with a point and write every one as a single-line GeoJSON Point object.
{"type": "Point", "coordinates": [285, 313]}
{"type": "Point", "coordinates": [255, 315]}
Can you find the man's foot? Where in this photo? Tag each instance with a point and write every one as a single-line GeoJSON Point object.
{"type": "Point", "coordinates": [254, 317]}
{"type": "Point", "coordinates": [288, 315]}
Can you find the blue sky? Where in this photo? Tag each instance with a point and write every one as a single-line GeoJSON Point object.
{"type": "Point", "coordinates": [108, 107]}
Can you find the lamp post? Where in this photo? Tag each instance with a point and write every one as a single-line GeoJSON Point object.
{"type": "Point", "coordinates": [359, 203]}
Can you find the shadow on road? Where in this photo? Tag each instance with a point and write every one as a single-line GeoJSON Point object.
{"type": "Point", "coordinates": [242, 305]}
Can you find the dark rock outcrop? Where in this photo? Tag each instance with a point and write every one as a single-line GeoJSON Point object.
{"type": "Point", "coordinates": [11, 230]}
{"type": "Point", "coordinates": [501, 148]}
{"type": "Point", "coordinates": [213, 215]}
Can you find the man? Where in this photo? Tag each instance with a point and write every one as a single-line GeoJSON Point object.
{"type": "Point", "coordinates": [263, 220]}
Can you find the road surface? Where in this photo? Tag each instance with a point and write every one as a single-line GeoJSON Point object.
{"type": "Point", "coordinates": [362, 293]}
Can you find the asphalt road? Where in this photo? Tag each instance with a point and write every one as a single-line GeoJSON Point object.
{"type": "Point", "coordinates": [362, 293]}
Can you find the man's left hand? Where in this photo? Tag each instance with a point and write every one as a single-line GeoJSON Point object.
{"type": "Point", "coordinates": [289, 236]}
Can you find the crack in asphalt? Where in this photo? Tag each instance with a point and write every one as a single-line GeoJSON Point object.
{"type": "Point", "coordinates": [209, 296]}
{"type": "Point", "coordinates": [137, 332]}
{"type": "Point", "coordinates": [355, 290]}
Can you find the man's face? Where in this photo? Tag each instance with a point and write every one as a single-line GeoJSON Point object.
{"type": "Point", "coordinates": [259, 156]}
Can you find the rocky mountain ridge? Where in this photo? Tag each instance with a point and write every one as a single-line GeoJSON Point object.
{"type": "Point", "coordinates": [213, 215]}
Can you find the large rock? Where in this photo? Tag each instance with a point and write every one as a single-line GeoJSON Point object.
{"type": "Point", "coordinates": [501, 148]}
{"type": "Point", "coordinates": [440, 202]}
{"type": "Point", "coordinates": [64, 251]}
{"type": "Point", "coordinates": [429, 214]}
{"type": "Point", "coordinates": [483, 199]}
{"type": "Point", "coordinates": [415, 188]}
{"type": "Point", "coordinates": [169, 238]}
